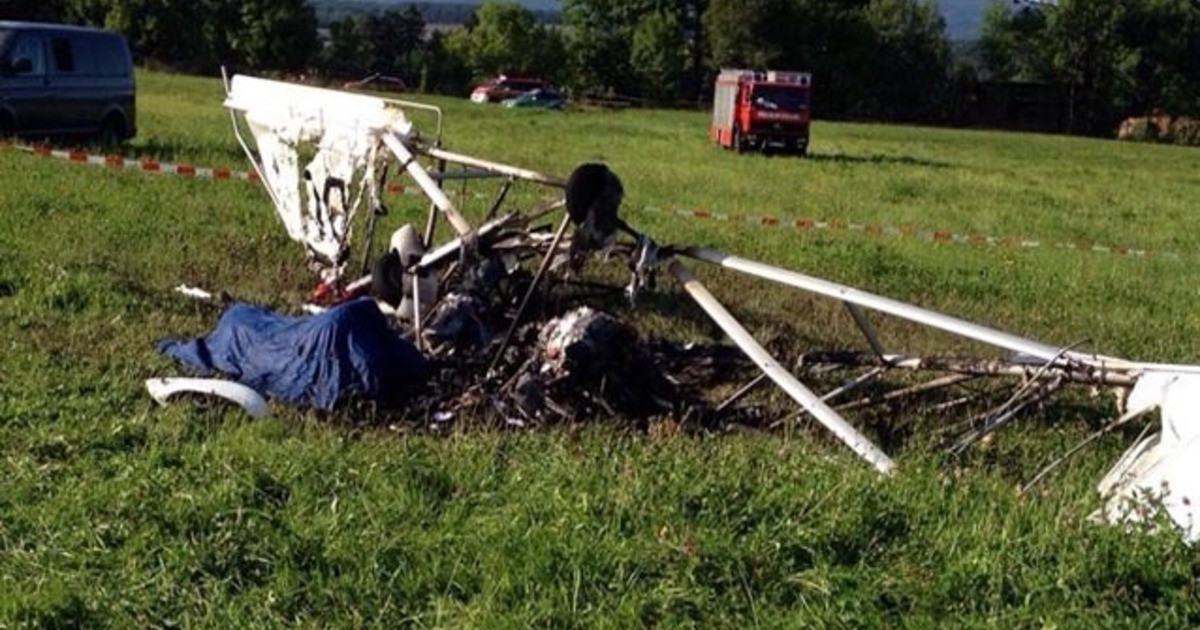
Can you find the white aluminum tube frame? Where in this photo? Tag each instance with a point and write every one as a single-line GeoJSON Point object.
{"type": "Point", "coordinates": [927, 317]}
{"type": "Point", "coordinates": [495, 167]}
{"type": "Point", "coordinates": [432, 190]}
{"type": "Point", "coordinates": [776, 372]}
{"type": "Point", "coordinates": [446, 249]}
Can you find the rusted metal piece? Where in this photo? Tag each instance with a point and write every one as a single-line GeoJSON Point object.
{"type": "Point", "coordinates": [741, 392]}
{"type": "Point", "coordinates": [537, 278]}
{"type": "Point", "coordinates": [973, 367]}
{"type": "Point", "coordinates": [921, 388]}
{"type": "Point", "coordinates": [995, 419]}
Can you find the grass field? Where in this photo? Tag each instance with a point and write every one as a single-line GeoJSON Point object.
{"type": "Point", "coordinates": [116, 512]}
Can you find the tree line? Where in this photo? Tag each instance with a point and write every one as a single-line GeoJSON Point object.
{"type": "Point", "coordinates": [876, 59]}
{"type": "Point", "coordinates": [1114, 58]}
{"type": "Point", "coordinates": [330, 11]}
{"type": "Point", "coordinates": [193, 35]}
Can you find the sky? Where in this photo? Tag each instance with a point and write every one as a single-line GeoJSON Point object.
{"type": "Point", "coordinates": [962, 17]}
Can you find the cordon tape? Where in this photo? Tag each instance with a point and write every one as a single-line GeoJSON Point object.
{"type": "Point", "coordinates": [763, 220]}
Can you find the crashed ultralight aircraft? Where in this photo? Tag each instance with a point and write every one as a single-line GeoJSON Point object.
{"type": "Point", "coordinates": [321, 153]}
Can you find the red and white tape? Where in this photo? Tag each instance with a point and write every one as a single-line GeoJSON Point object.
{"type": "Point", "coordinates": [147, 165]}
{"type": "Point", "coordinates": [763, 220]}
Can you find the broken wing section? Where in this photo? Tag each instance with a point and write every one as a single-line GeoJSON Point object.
{"type": "Point", "coordinates": [317, 154]}
{"type": "Point", "coordinates": [1161, 473]}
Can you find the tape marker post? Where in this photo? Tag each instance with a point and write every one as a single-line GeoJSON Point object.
{"type": "Point", "coordinates": [148, 165]}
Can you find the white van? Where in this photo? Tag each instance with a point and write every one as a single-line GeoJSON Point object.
{"type": "Point", "coordinates": [65, 80]}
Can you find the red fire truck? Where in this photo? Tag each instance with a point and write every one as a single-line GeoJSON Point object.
{"type": "Point", "coordinates": [756, 109]}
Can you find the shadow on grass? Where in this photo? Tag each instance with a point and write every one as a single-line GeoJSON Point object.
{"type": "Point", "coordinates": [152, 147]}
{"type": "Point", "coordinates": [176, 151]}
{"type": "Point", "coordinates": [842, 158]}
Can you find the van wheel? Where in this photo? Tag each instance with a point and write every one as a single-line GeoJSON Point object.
{"type": "Point", "coordinates": [8, 129]}
{"type": "Point", "coordinates": [112, 132]}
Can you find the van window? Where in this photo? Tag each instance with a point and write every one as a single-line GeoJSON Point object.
{"type": "Point", "coordinates": [64, 58]}
{"type": "Point", "coordinates": [110, 57]}
{"type": "Point", "coordinates": [29, 48]}
{"type": "Point", "coordinates": [83, 51]}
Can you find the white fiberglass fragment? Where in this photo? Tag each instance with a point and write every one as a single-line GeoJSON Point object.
{"type": "Point", "coordinates": [161, 389]}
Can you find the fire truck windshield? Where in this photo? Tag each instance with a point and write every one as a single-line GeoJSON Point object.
{"type": "Point", "coordinates": [779, 97]}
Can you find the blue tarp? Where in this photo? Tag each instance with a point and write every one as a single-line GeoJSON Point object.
{"type": "Point", "coordinates": [318, 360]}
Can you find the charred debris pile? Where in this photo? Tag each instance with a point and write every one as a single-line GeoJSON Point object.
{"type": "Point", "coordinates": [496, 324]}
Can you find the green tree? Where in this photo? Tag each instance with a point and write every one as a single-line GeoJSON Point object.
{"type": "Point", "coordinates": [829, 38]}
{"type": "Point", "coordinates": [202, 34]}
{"type": "Point", "coordinates": [37, 10]}
{"type": "Point", "coordinates": [1087, 55]}
{"type": "Point", "coordinates": [1013, 43]}
{"type": "Point", "coordinates": [912, 58]}
{"type": "Point", "coordinates": [274, 34]}
{"type": "Point", "coordinates": [442, 69]}
{"type": "Point", "coordinates": [751, 33]}
{"type": "Point", "coordinates": [659, 56]}
{"type": "Point", "coordinates": [598, 47]}
{"type": "Point", "coordinates": [159, 30]}
{"type": "Point", "coordinates": [618, 46]}
{"type": "Point", "coordinates": [346, 52]}
{"type": "Point", "coordinates": [506, 38]}
{"type": "Point", "coordinates": [1162, 67]}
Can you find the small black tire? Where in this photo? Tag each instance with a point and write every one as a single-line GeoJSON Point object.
{"type": "Point", "coordinates": [802, 146]}
{"type": "Point", "coordinates": [739, 143]}
{"type": "Point", "coordinates": [112, 131]}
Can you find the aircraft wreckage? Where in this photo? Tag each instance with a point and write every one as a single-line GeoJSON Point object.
{"type": "Point", "coordinates": [461, 312]}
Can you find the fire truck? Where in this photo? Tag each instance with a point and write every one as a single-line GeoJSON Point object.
{"type": "Point", "coordinates": [755, 109]}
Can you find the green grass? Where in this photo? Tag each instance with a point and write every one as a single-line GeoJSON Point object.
{"type": "Point", "coordinates": [114, 511]}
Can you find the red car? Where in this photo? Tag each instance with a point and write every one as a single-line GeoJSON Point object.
{"type": "Point", "coordinates": [377, 82]}
{"type": "Point", "coordinates": [504, 87]}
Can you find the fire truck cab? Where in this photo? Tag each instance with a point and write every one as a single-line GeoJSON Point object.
{"type": "Point", "coordinates": [755, 109]}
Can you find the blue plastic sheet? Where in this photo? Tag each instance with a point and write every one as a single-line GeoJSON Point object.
{"type": "Point", "coordinates": [316, 360]}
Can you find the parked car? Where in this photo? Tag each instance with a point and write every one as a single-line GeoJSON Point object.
{"type": "Point", "coordinates": [539, 97]}
{"type": "Point", "coordinates": [65, 80]}
{"type": "Point", "coordinates": [377, 82]}
{"type": "Point", "coordinates": [504, 87]}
